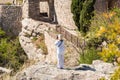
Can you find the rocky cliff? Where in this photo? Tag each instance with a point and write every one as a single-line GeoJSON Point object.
{"type": "Point", "coordinates": [63, 12]}
{"type": "Point", "coordinates": [45, 68]}
{"type": "Point", "coordinates": [32, 29]}
{"type": "Point", "coordinates": [43, 71]}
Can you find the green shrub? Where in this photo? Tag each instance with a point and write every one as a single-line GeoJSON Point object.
{"type": "Point", "coordinates": [86, 15]}
{"type": "Point", "coordinates": [76, 8]}
{"type": "Point", "coordinates": [94, 42]}
{"type": "Point", "coordinates": [2, 33]}
{"type": "Point", "coordinates": [27, 35]}
{"type": "Point", "coordinates": [110, 30]}
{"type": "Point", "coordinates": [43, 47]}
{"type": "Point", "coordinates": [11, 54]}
{"type": "Point", "coordinates": [88, 56]}
{"type": "Point", "coordinates": [82, 13]}
{"type": "Point", "coordinates": [34, 39]}
{"type": "Point", "coordinates": [117, 11]}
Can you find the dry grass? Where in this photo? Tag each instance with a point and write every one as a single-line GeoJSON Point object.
{"type": "Point", "coordinates": [6, 1]}
{"type": "Point", "coordinates": [28, 63]}
{"type": "Point", "coordinates": [40, 43]}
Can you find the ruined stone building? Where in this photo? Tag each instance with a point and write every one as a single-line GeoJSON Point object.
{"type": "Point", "coordinates": [55, 11]}
{"type": "Point", "coordinates": [39, 9]}
{"type": "Point", "coordinates": [50, 10]}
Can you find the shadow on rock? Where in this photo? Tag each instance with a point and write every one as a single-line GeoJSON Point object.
{"type": "Point", "coordinates": [83, 67]}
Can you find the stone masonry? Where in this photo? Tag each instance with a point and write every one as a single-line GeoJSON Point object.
{"type": "Point", "coordinates": [10, 17]}
{"type": "Point", "coordinates": [105, 5]}
{"type": "Point", "coordinates": [59, 11]}
{"type": "Point", "coordinates": [31, 8]}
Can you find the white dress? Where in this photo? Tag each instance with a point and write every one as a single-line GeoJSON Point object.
{"type": "Point", "coordinates": [60, 53]}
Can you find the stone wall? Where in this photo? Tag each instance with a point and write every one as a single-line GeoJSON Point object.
{"type": "Point", "coordinates": [101, 5]}
{"type": "Point", "coordinates": [10, 17]}
{"type": "Point", "coordinates": [59, 11]}
{"type": "Point", "coordinates": [105, 5]}
{"type": "Point", "coordinates": [118, 3]}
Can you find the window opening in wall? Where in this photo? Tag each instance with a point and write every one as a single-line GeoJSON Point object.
{"type": "Point", "coordinates": [44, 9]}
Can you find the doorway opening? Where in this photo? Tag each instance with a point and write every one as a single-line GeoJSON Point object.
{"type": "Point", "coordinates": [44, 10]}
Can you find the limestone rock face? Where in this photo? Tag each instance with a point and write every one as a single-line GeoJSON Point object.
{"type": "Point", "coordinates": [42, 71]}
{"type": "Point", "coordinates": [31, 28]}
{"type": "Point", "coordinates": [4, 72]}
{"type": "Point", "coordinates": [103, 67]}
{"type": "Point", "coordinates": [50, 43]}
{"type": "Point", "coordinates": [63, 12]}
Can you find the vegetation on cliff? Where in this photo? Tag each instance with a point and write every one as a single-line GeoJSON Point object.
{"type": "Point", "coordinates": [102, 32]}
{"type": "Point", "coordinates": [11, 54]}
{"type": "Point", "coordinates": [82, 13]}
{"type": "Point", "coordinates": [105, 31]}
{"type": "Point", "coordinates": [40, 43]}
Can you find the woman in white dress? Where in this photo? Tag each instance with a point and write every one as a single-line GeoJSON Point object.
{"type": "Point", "coordinates": [60, 51]}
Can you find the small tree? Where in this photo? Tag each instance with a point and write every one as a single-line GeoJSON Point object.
{"type": "Point", "coordinates": [11, 53]}
{"type": "Point", "coordinates": [76, 8]}
{"type": "Point", "coordinates": [86, 15]}
{"type": "Point", "coordinates": [82, 12]}
{"type": "Point", "coordinates": [106, 26]}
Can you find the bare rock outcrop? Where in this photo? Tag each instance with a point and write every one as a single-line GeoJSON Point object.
{"type": "Point", "coordinates": [4, 72]}
{"type": "Point", "coordinates": [31, 29]}
{"type": "Point", "coordinates": [43, 71]}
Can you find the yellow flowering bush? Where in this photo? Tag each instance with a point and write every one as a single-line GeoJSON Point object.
{"type": "Point", "coordinates": [109, 14]}
{"type": "Point", "coordinates": [106, 27]}
{"type": "Point", "coordinates": [116, 75]}
{"type": "Point", "coordinates": [111, 32]}
{"type": "Point", "coordinates": [101, 31]}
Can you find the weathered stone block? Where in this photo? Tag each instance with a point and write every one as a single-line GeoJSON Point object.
{"type": "Point", "coordinates": [10, 18]}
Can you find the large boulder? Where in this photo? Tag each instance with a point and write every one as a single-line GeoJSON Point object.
{"type": "Point", "coordinates": [103, 67]}
{"type": "Point", "coordinates": [44, 71]}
